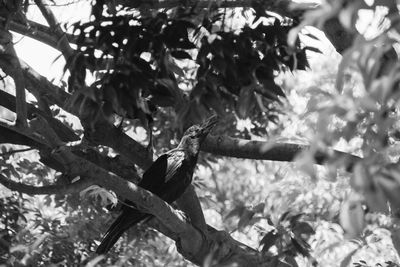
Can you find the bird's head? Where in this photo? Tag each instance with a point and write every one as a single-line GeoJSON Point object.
{"type": "Point", "coordinates": [195, 135]}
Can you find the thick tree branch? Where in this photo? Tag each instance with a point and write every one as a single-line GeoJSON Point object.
{"type": "Point", "coordinates": [8, 136]}
{"type": "Point", "coordinates": [47, 189]}
{"type": "Point", "coordinates": [65, 133]}
{"type": "Point", "coordinates": [40, 87]}
{"type": "Point", "coordinates": [8, 129]}
{"type": "Point", "coordinates": [116, 164]}
{"type": "Point", "coordinates": [41, 33]}
{"type": "Point", "coordinates": [10, 65]}
{"type": "Point", "coordinates": [106, 134]}
{"type": "Point", "coordinates": [33, 30]}
{"type": "Point", "coordinates": [250, 149]}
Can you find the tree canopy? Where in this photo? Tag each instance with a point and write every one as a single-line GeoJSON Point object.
{"type": "Point", "coordinates": [138, 73]}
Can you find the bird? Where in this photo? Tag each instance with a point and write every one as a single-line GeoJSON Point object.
{"type": "Point", "coordinates": [168, 177]}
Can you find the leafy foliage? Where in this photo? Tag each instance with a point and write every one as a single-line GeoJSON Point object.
{"type": "Point", "coordinates": [233, 69]}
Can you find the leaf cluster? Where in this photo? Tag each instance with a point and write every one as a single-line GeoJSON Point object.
{"type": "Point", "coordinates": [187, 60]}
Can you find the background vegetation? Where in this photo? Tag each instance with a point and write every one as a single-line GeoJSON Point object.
{"type": "Point", "coordinates": [301, 170]}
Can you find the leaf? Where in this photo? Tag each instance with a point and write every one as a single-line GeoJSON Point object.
{"type": "Point", "coordinates": [313, 49]}
{"type": "Point", "coordinates": [259, 208]}
{"type": "Point", "coordinates": [291, 261]}
{"type": "Point", "coordinates": [312, 36]}
{"type": "Point", "coordinates": [301, 246]}
{"type": "Point", "coordinates": [245, 102]}
{"type": "Point", "coordinates": [39, 241]}
{"type": "Point", "coordinates": [219, 64]}
{"type": "Point", "coordinates": [245, 219]}
{"type": "Point", "coordinates": [303, 228]}
{"type": "Point", "coordinates": [237, 211]}
{"type": "Point", "coordinates": [301, 61]}
{"type": "Point", "coordinates": [168, 84]}
{"type": "Point", "coordinates": [214, 102]}
{"type": "Point", "coordinates": [284, 216]}
{"type": "Point", "coordinates": [180, 54]}
{"type": "Point", "coordinates": [270, 89]}
{"type": "Point", "coordinates": [269, 240]}
{"type": "Point", "coordinates": [294, 218]}
{"type": "Point", "coordinates": [185, 44]}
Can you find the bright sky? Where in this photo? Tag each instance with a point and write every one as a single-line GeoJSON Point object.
{"type": "Point", "coordinates": [45, 59]}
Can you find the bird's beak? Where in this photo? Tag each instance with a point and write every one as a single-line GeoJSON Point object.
{"type": "Point", "coordinates": [209, 124]}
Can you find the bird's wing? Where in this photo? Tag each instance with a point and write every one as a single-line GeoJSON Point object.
{"type": "Point", "coordinates": [175, 161]}
{"type": "Point", "coordinates": [162, 170]}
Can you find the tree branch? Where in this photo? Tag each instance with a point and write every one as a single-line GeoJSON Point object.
{"type": "Point", "coordinates": [65, 133]}
{"type": "Point", "coordinates": [22, 134]}
{"type": "Point", "coordinates": [104, 133]}
{"type": "Point", "coordinates": [10, 65]}
{"type": "Point", "coordinates": [63, 42]}
{"type": "Point", "coordinates": [45, 190]}
{"type": "Point", "coordinates": [250, 149]}
{"type": "Point", "coordinates": [40, 87]}
{"type": "Point", "coordinates": [8, 136]}
{"type": "Point", "coordinates": [33, 30]}
{"type": "Point", "coordinates": [15, 151]}
{"type": "Point", "coordinates": [116, 164]}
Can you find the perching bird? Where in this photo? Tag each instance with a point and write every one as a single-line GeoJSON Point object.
{"type": "Point", "coordinates": [168, 177]}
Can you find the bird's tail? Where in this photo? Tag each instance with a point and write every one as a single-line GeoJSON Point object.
{"type": "Point", "coordinates": [119, 226]}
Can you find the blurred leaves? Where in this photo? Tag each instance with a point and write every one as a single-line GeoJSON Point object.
{"type": "Point", "coordinates": [352, 216]}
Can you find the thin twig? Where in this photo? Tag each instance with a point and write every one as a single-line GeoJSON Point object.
{"type": "Point", "coordinates": [63, 42]}
{"type": "Point", "coordinates": [45, 190]}
{"type": "Point", "coordinates": [15, 151]}
{"type": "Point", "coordinates": [60, 5]}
